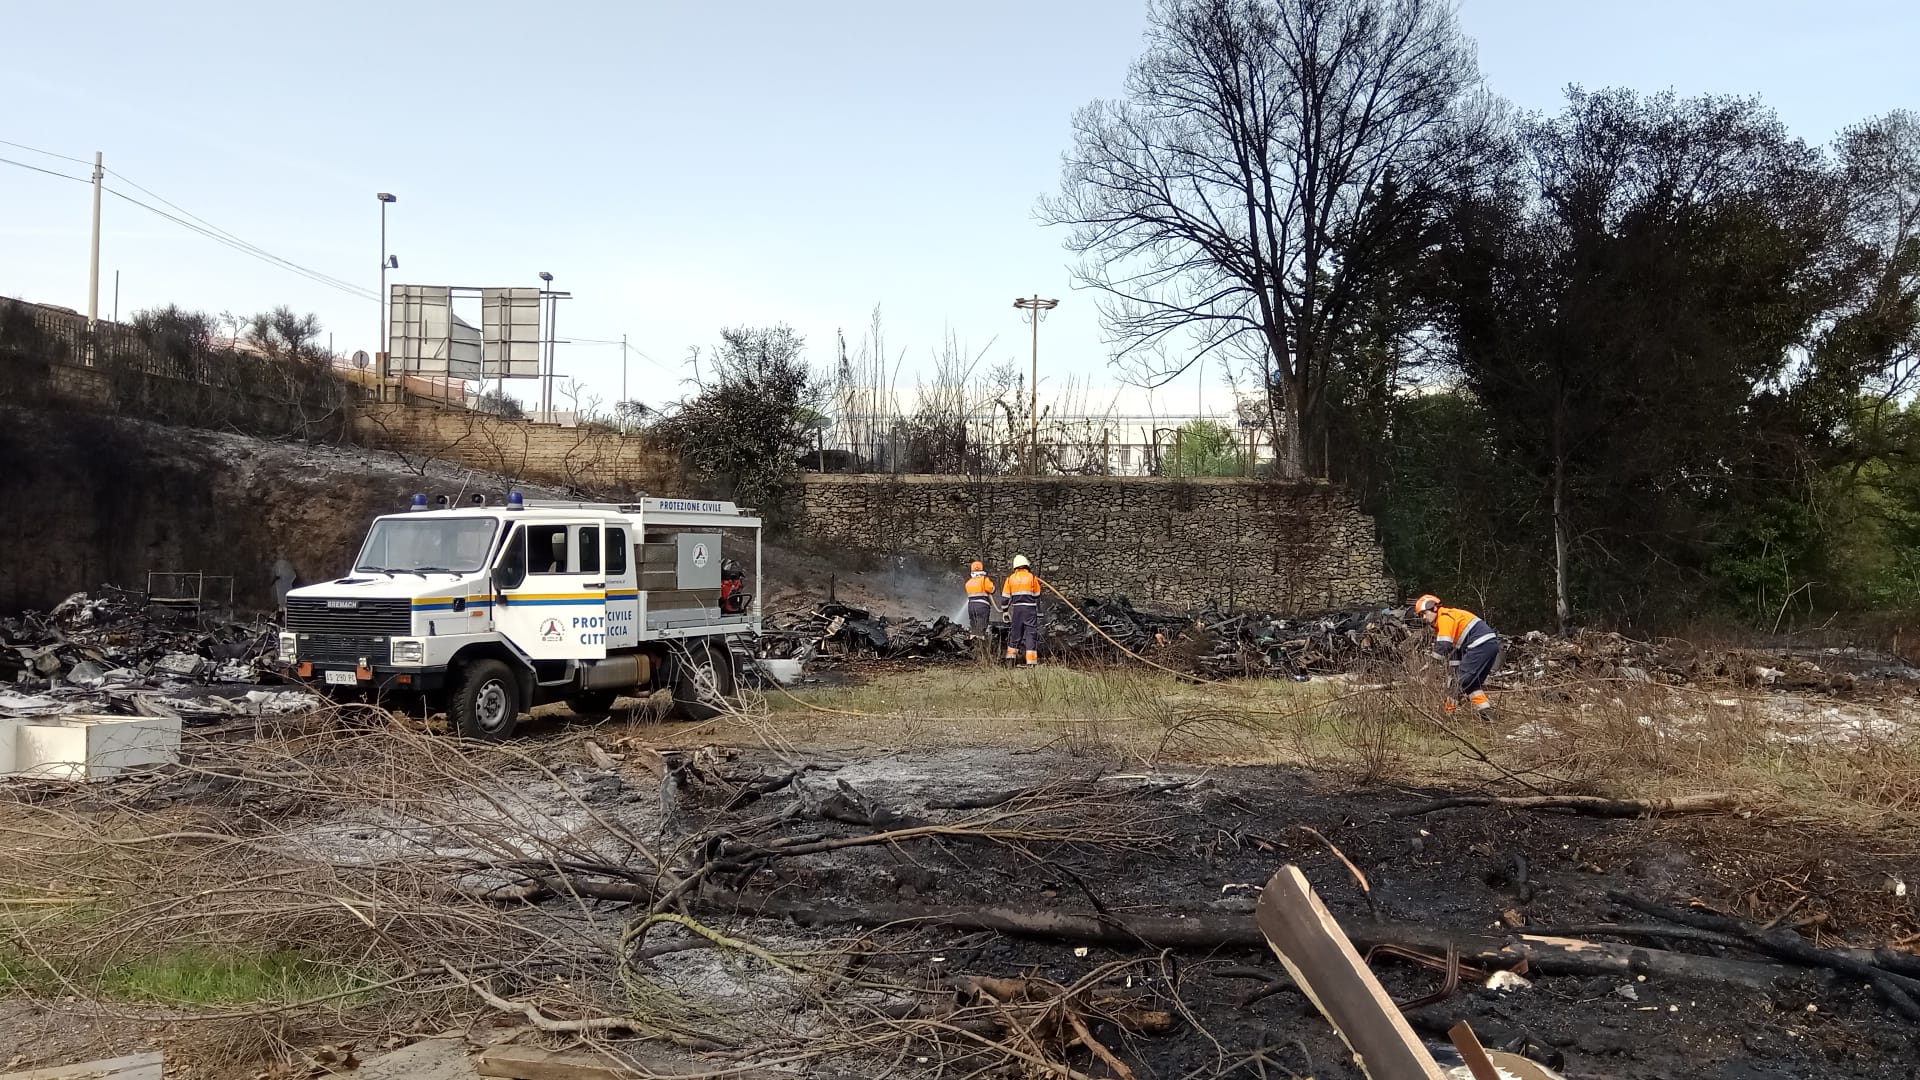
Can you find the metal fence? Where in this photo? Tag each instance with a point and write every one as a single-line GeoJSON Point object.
{"type": "Point", "coordinates": [1066, 446]}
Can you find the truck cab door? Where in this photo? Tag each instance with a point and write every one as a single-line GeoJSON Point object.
{"type": "Point", "coordinates": [550, 595]}
{"type": "Point", "coordinates": [623, 595]}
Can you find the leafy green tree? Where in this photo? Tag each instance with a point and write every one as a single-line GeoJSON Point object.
{"type": "Point", "coordinates": [1206, 448]}
{"type": "Point", "coordinates": [1623, 309]}
{"type": "Point", "coordinates": [753, 415]}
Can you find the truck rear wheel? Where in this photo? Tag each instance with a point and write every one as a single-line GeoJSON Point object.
{"type": "Point", "coordinates": [703, 682]}
{"type": "Point", "coordinates": [484, 702]}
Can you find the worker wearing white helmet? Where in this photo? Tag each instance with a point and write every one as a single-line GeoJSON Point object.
{"type": "Point", "coordinates": [1022, 590]}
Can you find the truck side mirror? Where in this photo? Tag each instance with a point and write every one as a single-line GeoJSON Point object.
{"type": "Point", "coordinates": [511, 570]}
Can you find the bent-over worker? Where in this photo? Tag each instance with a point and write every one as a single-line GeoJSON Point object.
{"type": "Point", "coordinates": [1022, 591]}
{"type": "Point", "coordinates": [1470, 647]}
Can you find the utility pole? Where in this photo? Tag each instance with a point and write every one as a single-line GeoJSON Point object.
{"type": "Point", "coordinates": [116, 298]}
{"type": "Point", "coordinates": [623, 369]}
{"type": "Point", "coordinates": [1036, 307]}
{"type": "Point", "coordinates": [93, 275]}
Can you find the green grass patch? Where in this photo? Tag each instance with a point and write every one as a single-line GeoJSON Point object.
{"type": "Point", "coordinates": [1047, 691]}
{"type": "Point", "coordinates": [199, 976]}
{"type": "Point", "coordinates": [208, 977]}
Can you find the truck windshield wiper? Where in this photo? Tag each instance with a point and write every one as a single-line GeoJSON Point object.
{"type": "Point", "coordinates": [424, 570]}
{"type": "Point", "coordinates": [373, 570]}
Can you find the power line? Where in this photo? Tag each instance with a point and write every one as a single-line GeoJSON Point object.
{"type": "Point", "coordinates": [251, 247]}
{"type": "Point", "coordinates": [49, 153]}
{"type": "Point", "coordinates": [247, 249]}
{"type": "Point", "coordinates": [196, 224]}
{"type": "Point", "coordinates": [38, 169]}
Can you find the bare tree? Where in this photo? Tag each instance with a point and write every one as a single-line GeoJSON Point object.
{"type": "Point", "coordinates": [1269, 161]}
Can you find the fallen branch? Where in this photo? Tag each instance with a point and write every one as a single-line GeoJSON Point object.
{"type": "Point", "coordinates": [760, 789]}
{"type": "Point", "coordinates": [593, 1025]}
{"type": "Point", "coordinates": [1087, 1040]}
{"type": "Point", "coordinates": [1716, 802]}
{"type": "Point", "coordinates": [1548, 955]}
{"type": "Point", "coordinates": [1787, 945]}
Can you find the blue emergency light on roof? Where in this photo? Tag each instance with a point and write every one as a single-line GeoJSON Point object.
{"type": "Point", "coordinates": [515, 502]}
{"type": "Point", "coordinates": [419, 502]}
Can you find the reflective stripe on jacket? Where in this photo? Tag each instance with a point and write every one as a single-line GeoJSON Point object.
{"type": "Point", "coordinates": [980, 589]}
{"type": "Point", "coordinates": [1022, 588]}
{"type": "Point", "coordinates": [1456, 629]}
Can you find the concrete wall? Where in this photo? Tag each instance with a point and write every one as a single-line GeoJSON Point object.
{"type": "Point", "coordinates": [1240, 544]}
{"type": "Point", "coordinates": [603, 463]}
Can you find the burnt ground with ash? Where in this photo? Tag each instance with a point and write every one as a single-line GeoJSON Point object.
{"type": "Point", "coordinates": [1459, 869]}
{"type": "Point", "coordinates": [1090, 835]}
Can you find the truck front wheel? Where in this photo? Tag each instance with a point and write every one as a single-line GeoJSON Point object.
{"type": "Point", "coordinates": [484, 702]}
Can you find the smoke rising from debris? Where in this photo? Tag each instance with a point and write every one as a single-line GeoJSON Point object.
{"type": "Point", "coordinates": [916, 589]}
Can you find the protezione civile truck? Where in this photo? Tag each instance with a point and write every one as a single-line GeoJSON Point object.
{"type": "Point", "coordinates": [486, 611]}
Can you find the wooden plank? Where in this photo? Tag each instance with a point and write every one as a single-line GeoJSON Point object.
{"type": "Point", "coordinates": [131, 1067]}
{"type": "Point", "coordinates": [1521, 1068]}
{"type": "Point", "coordinates": [1472, 1052]}
{"type": "Point", "coordinates": [1303, 934]}
{"type": "Point", "coordinates": [533, 1063]}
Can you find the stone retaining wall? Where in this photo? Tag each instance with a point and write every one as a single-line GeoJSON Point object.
{"type": "Point", "coordinates": [1240, 544]}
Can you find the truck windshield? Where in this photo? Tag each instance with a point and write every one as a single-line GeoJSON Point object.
{"type": "Point", "coordinates": [413, 545]}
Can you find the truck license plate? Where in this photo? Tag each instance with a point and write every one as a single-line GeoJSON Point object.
{"type": "Point", "coordinates": [343, 678]}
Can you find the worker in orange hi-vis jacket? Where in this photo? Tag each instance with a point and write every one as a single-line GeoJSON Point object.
{"type": "Point", "coordinates": [1022, 590]}
{"type": "Point", "coordinates": [979, 604]}
{"type": "Point", "coordinates": [1470, 647]}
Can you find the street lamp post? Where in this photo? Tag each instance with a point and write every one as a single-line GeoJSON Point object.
{"type": "Point", "coordinates": [546, 378]}
{"type": "Point", "coordinates": [380, 340]}
{"type": "Point", "coordinates": [1036, 307]}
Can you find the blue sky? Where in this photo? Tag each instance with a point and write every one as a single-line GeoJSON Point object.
{"type": "Point", "coordinates": [678, 171]}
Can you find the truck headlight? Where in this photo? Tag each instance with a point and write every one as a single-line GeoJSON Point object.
{"type": "Point", "coordinates": [289, 645]}
{"type": "Point", "coordinates": [409, 652]}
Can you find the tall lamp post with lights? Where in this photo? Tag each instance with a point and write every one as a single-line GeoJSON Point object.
{"type": "Point", "coordinates": [546, 379]}
{"type": "Point", "coordinates": [1035, 308]}
{"type": "Point", "coordinates": [387, 262]}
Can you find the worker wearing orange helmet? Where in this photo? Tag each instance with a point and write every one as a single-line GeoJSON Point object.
{"type": "Point", "coordinates": [979, 601]}
{"type": "Point", "coordinates": [1022, 590]}
{"type": "Point", "coordinates": [1470, 647]}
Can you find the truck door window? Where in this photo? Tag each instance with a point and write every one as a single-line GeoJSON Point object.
{"type": "Point", "coordinates": [616, 552]}
{"type": "Point", "coordinates": [546, 549]}
{"type": "Point", "coordinates": [589, 548]}
{"type": "Point", "coordinates": [511, 570]}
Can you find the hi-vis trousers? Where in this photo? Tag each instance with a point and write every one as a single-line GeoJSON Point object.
{"type": "Point", "coordinates": [1023, 629]}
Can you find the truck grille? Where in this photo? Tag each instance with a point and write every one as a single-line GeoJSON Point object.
{"type": "Point", "coordinates": [343, 649]}
{"type": "Point", "coordinates": [382, 616]}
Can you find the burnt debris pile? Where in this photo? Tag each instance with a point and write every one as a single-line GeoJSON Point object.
{"type": "Point", "coordinates": [116, 654]}
{"type": "Point", "coordinates": [1207, 643]}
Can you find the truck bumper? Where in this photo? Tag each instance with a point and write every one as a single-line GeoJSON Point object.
{"type": "Point", "coordinates": [381, 679]}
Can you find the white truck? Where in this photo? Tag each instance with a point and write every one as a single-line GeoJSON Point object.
{"type": "Point", "coordinates": [488, 610]}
